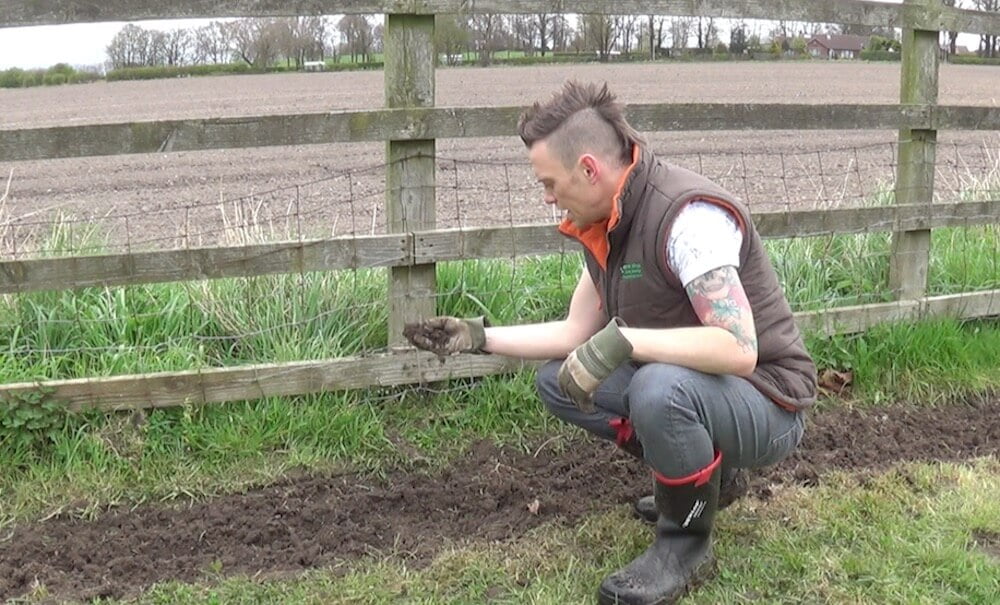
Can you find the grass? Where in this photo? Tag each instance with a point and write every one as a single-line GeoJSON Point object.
{"type": "Point", "coordinates": [95, 459]}
{"type": "Point", "coordinates": [217, 323]}
{"type": "Point", "coordinates": [817, 545]}
{"type": "Point", "coordinates": [929, 362]}
{"type": "Point", "coordinates": [840, 270]}
{"type": "Point", "coordinates": [912, 535]}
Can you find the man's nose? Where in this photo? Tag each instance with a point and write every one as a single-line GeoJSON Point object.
{"type": "Point", "coordinates": [549, 198]}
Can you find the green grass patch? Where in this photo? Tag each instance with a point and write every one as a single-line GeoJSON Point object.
{"type": "Point", "coordinates": [218, 323]}
{"type": "Point", "coordinates": [927, 362]}
{"type": "Point", "coordinates": [841, 270]}
{"type": "Point", "coordinates": [918, 534]}
{"type": "Point", "coordinates": [87, 461]}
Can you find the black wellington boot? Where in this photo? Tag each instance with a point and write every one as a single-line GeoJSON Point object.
{"type": "Point", "coordinates": [680, 557]}
{"type": "Point", "coordinates": [733, 485]}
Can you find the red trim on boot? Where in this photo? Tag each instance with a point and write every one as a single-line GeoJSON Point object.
{"type": "Point", "coordinates": [624, 429]}
{"type": "Point", "coordinates": [699, 478]}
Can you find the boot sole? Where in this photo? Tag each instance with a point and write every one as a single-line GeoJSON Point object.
{"type": "Point", "coordinates": [703, 573]}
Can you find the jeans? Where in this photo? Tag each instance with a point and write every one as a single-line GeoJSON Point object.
{"type": "Point", "coordinates": [681, 416]}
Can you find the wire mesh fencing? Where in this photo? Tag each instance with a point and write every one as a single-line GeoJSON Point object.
{"type": "Point", "coordinates": [288, 313]}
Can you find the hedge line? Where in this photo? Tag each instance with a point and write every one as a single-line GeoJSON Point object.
{"type": "Point", "coordinates": [63, 74]}
{"type": "Point", "coordinates": [53, 76]}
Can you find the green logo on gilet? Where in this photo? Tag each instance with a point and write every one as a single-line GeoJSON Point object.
{"type": "Point", "coordinates": [631, 271]}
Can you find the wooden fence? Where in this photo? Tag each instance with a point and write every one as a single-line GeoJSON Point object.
{"type": "Point", "coordinates": [410, 124]}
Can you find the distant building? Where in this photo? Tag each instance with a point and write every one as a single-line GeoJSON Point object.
{"type": "Point", "coordinates": [314, 65]}
{"type": "Point", "coordinates": [836, 46]}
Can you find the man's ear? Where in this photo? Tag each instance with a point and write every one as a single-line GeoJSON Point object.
{"type": "Point", "coordinates": [591, 167]}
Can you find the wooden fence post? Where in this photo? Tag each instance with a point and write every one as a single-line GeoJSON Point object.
{"type": "Point", "coordinates": [910, 260]}
{"type": "Point", "coordinates": [410, 178]}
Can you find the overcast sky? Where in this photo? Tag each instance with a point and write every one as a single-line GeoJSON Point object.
{"type": "Point", "coordinates": [85, 43]}
{"type": "Point", "coordinates": [77, 44]}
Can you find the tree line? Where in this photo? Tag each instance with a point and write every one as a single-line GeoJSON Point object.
{"type": "Point", "coordinates": [262, 42]}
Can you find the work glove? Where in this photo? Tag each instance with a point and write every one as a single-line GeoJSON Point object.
{"type": "Point", "coordinates": [590, 363]}
{"type": "Point", "coordinates": [447, 335]}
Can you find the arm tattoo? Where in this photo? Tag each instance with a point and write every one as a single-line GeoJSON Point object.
{"type": "Point", "coordinates": [719, 300]}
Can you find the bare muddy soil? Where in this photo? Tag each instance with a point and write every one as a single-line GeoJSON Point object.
{"type": "Point", "coordinates": [320, 522]}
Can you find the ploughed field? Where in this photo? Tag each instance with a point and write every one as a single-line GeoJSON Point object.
{"type": "Point", "coordinates": [201, 198]}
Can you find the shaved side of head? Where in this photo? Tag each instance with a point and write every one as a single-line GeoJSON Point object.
{"type": "Point", "coordinates": [586, 132]}
{"type": "Point", "coordinates": [579, 119]}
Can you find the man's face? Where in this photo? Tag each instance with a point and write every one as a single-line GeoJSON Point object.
{"type": "Point", "coordinates": [569, 189]}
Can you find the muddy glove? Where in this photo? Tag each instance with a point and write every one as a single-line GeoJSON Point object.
{"type": "Point", "coordinates": [447, 335]}
{"type": "Point", "coordinates": [593, 361]}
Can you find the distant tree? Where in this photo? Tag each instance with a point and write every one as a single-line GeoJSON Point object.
{"type": "Point", "coordinates": [213, 43]}
{"type": "Point", "coordinates": [156, 51]}
{"type": "Point", "coordinates": [951, 37]}
{"type": "Point", "coordinates": [680, 32]}
{"type": "Point", "coordinates": [129, 47]}
{"type": "Point", "coordinates": [306, 39]}
{"type": "Point", "coordinates": [562, 33]}
{"type": "Point", "coordinates": [883, 44]}
{"type": "Point", "coordinates": [522, 30]}
{"type": "Point", "coordinates": [738, 38]}
{"type": "Point", "coordinates": [378, 38]}
{"type": "Point", "coordinates": [487, 33]}
{"type": "Point", "coordinates": [296, 43]}
{"type": "Point", "coordinates": [332, 43]}
{"type": "Point", "coordinates": [451, 37]}
{"type": "Point", "coordinates": [853, 29]}
{"type": "Point", "coordinates": [989, 44]}
{"type": "Point", "coordinates": [780, 30]}
{"type": "Point", "coordinates": [864, 31]}
{"type": "Point", "coordinates": [256, 41]}
{"type": "Point", "coordinates": [600, 34]}
{"type": "Point", "coordinates": [243, 37]}
{"type": "Point", "coordinates": [319, 31]}
{"type": "Point", "coordinates": [656, 30]}
{"type": "Point", "coordinates": [708, 32]}
{"type": "Point", "coordinates": [358, 36]}
{"type": "Point", "coordinates": [543, 30]}
{"type": "Point", "coordinates": [626, 27]}
{"type": "Point", "coordinates": [177, 46]}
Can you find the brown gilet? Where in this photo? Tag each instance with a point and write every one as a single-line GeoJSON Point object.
{"type": "Point", "coordinates": [636, 284]}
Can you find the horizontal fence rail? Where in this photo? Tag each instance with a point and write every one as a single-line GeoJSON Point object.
{"type": "Point", "coordinates": [407, 367]}
{"type": "Point", "coordinates": [444, 122]}
{"type": "Point", "coordinates": [410, 249]}
{"type": "Point", "coordinates": [855, 12]}
{"type": "Point", "coordinates": [206, 263]}
{"type": "Point", "coordinates": [858, 318]}
{"type": "Point", "coordinates": [217, 385]}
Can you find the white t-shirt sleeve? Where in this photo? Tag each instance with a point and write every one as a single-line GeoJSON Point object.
{"type": "Point", "coordinates": [704, 237]}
